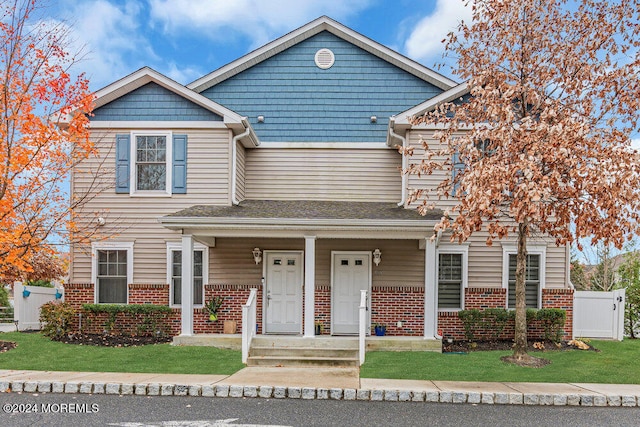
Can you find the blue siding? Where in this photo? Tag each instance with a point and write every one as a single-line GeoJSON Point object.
{"type": "Point", "coordinates": [302, 103]}
{"type": "Point", "coordinates": [153, 102]}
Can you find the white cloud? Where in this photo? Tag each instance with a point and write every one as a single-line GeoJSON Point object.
{"type": "Point", "coordinates": [258, 20]}
{"type": "Point", "coordinates": [425, 41]}
{"type": "Point", "coordinates": [635, 143]}
{"type": "Point", "coordinates": [109, 34]}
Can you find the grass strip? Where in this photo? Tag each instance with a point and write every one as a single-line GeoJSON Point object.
{"type": "Point", "coordinates": [614, 364]}
{"type": "Point", "coordinates": [36, 352]}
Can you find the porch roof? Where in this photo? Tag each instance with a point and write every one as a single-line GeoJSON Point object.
{"type": "Point", "coordinates": [285, 216]}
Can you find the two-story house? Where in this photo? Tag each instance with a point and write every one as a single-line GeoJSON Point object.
{"type": "Point", "coordinates": [280, 171]}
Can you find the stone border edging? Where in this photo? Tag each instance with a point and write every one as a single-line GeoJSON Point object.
{"type": "Point", "coordinates": [311, 393]}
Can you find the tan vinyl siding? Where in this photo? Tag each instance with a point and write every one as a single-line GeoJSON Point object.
{"type": "Point", "coordinates": [135, 219]}
{"type": "Point", "coordinates": [323, 174]}
{"type": "Point", "coordinates": [428, 182]}
{"type": "Point", "coordinates": [232, 261]}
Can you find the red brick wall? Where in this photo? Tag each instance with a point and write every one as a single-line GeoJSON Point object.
{"type": "Point", "coordinates": [323, 307]}
{"type": "Point", "coordinates": [560, 298]}
{"type": "Point", "coordinates": [148, 294]}
{"type": "Point", "coordinates": [390, 305]}
{"type": "Point", "coordinates": [235, 296]}
{"type": "Point", "coordinates": [481, 298]}
{"type": "Point", "coordinates": [77, 294]}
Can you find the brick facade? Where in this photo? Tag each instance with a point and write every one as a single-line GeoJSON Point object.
{"type": "Point", "coordinates": [389, 305]}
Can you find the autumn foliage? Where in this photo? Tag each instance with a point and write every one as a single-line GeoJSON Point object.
{"type": "Point", "coordinates": [43, 133]}
{"type": "Point", "coordinates": [543, 137]}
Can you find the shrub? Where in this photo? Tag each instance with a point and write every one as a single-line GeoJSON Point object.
{"type": "Point", "coordinates": [40, 283]}
{"type": "Point", "coordinates": [56, 319]}
{"type": "Point", "coordinates": [492, 321]}
{"type": "Point", "coordinates": [147, 317]}
{"type": "Point", "coordinates": [552, 320]}
{"type": "Point", "coordinates": [4, 296]}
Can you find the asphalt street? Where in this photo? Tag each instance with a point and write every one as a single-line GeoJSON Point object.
{"type": "Point", "coordinates": [43, 409]}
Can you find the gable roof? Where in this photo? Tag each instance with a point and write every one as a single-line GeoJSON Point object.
{"type": "Point", "coordinates": [323, 23]}
{"type": "Point", "coordinates": [402, 120]}
{"type": "Point", "coordinates": [146, 75]}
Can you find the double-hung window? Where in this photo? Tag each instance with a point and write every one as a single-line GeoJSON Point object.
{"type": "Point", "coordinates": [452, 271]}
{"type": "Point", "coordinates": [151, 163]}
{"type": "Point", "coordinates": [174, 273]}
{"type": "Point", "coordinates": [112, 271]}
{"type": "Point", "coordinates": [151, 154]}
{"type": "Point", "coordinates": [534, 275]}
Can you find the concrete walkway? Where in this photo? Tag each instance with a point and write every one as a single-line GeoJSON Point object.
{"type": "Point", "coordinates": [314, 383]}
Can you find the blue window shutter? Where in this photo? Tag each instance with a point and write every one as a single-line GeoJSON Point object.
{"type": "Point", "coordinates": [122, 163]}
{"type": "Point", "coordinates": [179, 171]}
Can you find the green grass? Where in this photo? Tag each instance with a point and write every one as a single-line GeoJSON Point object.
{"type": "Point", "coordinates": [616, 363]}
{"type": "Point", "coordinates": [36, 352]}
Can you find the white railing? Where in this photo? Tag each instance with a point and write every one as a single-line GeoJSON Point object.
{"type": "Point", "coordinates": [249, 323]}
{"type": "Point", "coordinates": [363, 325]}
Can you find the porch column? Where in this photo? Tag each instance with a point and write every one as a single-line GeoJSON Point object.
{"type": "Point", "coordinates": [430, 290]}
{"type": "Point", "coordinates": [186, 314]}
{"type": "Point", "coordinates": [309, 285]}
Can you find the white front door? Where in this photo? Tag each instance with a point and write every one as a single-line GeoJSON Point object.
{"type": "Point", "coordinates": [283, 293]}
{"type": "Point", "coordinates": [351, 274]}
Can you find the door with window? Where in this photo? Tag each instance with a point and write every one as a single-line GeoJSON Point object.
{"type": "Point", "coordinates": [283, 293]}
{"type": "Point", "coordinates": [351, 274]}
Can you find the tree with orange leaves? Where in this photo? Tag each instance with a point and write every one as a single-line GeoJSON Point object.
{"type": "Point", "coordinates": [542, 142]}
{"type": "Point", "coordinates": [43, 134]}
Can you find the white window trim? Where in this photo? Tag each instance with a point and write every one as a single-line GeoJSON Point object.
{"type": "Point", "coordinates": [175, 246]}
{"type": "Point", "coordinates": [110, 246]}
{"type": "Point", "coordinates": [454, 249]}
{"type": "Point", "coordinates": [133, 163]}
{"type": "Point", "coordinates": [512, 249]}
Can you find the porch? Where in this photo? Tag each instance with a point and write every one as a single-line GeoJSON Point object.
{"type": "Point", "coordinates": [287, 350]}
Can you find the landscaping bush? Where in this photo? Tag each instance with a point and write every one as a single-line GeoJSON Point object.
{"type": "Point", "coordinates": [552, 320]}
{"type": "Point", "coordinates": [40, 283]}
{"type": "Point", "coordinates": [4, 296]}
{"type": "Point", "coordinates": [131, 319]}
{"type": "Point", "coordinates": [490, 323]}
{"type": "Point", "coordinates": [56, 319]}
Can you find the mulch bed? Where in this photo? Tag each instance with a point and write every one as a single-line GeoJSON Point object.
{"type": "Point", "coordinates": [533, 346]}
{"type": "Point", "coordinates": [108, 340]}
{"type": "Point", "coordinates": [6, 346]}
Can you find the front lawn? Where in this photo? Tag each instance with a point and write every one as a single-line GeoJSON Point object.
{"type": "Point", "coordinates": [36, 352]}
{"type": "Point", "coordinates": [616, 363]}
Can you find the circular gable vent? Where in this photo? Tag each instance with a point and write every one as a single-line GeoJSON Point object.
{"type": "Point", "coordinates": [324, 58]}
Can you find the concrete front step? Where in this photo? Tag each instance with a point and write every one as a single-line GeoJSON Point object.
{"type": "Point", "coordinates": [293, 361]}
{"type": "Point", "coordinates": [270, 350]}
{"type": "Point", "coordinates": [284, 341]}
{"type": "Point", "coordinates": [304, 352]}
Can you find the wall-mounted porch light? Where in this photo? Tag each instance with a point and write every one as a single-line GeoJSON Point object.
{"type": "Point", "coordinates": [257, 255]}
{"type": "Point", "coordinates": [377, 257]}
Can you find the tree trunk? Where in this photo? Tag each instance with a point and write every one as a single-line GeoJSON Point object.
{"type": "Point", "coordinates": [520, 347]}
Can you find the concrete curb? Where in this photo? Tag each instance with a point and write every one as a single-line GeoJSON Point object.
{"type": "Point", "coordinates": [309, 393]}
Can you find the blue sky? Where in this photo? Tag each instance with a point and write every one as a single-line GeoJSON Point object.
{"type": "Point", "coordinates": [185, 39]}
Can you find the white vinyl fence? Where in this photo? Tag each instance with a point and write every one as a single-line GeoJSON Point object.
{"type": "Point", "coordinates": [27, 301]}
{"type": "Point", "coordinates": [599, 314]}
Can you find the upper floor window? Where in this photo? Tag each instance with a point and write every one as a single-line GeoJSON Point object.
{"type": "Point", "coordinates": [151, 163]}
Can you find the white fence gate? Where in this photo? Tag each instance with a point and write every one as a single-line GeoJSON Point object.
{"type": "Point", "coordinates": [599, 314]}
{"type": "Point", "coordinates": [27, 301]}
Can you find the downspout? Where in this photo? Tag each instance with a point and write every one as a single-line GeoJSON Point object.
{"type": "Point", "coordinates": [234, 161]}
{"type": "Point", "coordinates": [405, 160]}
